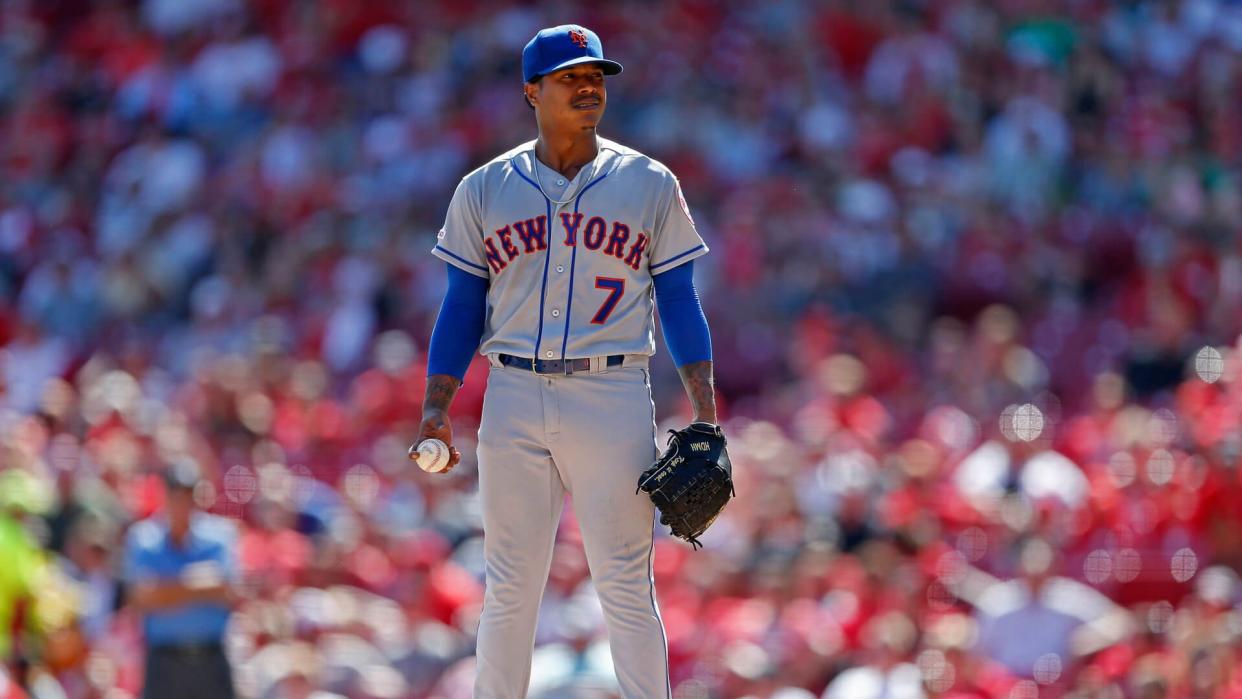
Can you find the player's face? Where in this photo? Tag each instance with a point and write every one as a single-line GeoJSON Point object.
{"type": "Point", "coordinates": [572, 99]}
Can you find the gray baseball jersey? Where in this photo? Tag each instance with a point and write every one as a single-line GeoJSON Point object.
{"type": "Point", "coordinates": [569, 261]}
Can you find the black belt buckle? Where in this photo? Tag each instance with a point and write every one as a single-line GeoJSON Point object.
{"type": "Point", "coordinates": [562, 367]}
{"type": "Point", "coordinates": [188, 650]}
{"type": "Point", "coordinates": [547, 366]}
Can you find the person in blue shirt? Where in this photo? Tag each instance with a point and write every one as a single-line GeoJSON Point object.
{"type": "Point", "coordinates": [180, 570]}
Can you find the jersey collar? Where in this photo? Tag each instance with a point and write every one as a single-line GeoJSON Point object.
{"type": "Point", "coordinates": [605, 162]}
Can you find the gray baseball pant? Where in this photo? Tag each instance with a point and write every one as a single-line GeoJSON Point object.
{"type": "Point", "coordinates": [540, 437]}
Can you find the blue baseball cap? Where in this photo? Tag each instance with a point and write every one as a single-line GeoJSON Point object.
{"type": "Point", "coordinates": [555, 48]}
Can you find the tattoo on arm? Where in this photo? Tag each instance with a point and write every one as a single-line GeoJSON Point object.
{"type": "Point", "coordinates": [701, 388]}
{"type": "Point", "coordinates": [436, 423]}
{"type": "Point", "coordinates": [440, 391]}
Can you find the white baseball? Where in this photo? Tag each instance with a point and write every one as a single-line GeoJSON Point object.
{"type": "Point", "coordinates": [433, 455]}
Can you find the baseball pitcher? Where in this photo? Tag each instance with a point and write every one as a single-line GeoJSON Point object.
{"type": "Point", "coordinates": [557, 252]}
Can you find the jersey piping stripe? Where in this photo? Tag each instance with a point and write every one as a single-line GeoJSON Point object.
{"type": "Point", "coordinates": [573, 260]}
{"type": "Point", "coordinates": [656, 610]}
{"type": "Point", "coordinates": [547, 255]}
{"type": "Point", "coordinates": [459, 258]}
{"type": "Point", "coordinates": [678, 257]}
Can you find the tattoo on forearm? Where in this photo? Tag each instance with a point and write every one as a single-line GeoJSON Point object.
{"type": "Point", "coordinates": [701, 388]}
{"type": "Point", "coordinates": [440, 391]}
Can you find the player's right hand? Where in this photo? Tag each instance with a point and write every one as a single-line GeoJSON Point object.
{"type": "Point", "coordinates": [436, 425]}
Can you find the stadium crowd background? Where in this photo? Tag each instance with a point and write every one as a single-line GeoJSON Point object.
{"type": "Point", "coordinates": [975, 296]}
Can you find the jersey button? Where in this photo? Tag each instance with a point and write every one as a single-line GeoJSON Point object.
{"type": "Point", "coordinates": [560, 181]}
{"type": "Point", "coordinates": [549, 354]}
{"type": "Point", "coordinates": [556, 313]}
{"type": "Point", "coordinates": [560, 268]}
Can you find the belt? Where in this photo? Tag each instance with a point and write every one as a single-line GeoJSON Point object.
{"type": "Point", "coordinates": [556, 366]}
{"type": "Point", "coordinates": [187, 650]}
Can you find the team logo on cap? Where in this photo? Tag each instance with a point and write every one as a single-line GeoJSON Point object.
{"type": "Point", "coordinates": [579, 37]}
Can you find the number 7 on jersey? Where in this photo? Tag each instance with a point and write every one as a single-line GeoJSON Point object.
{"type": "Point", "coordinates": [615, 288]}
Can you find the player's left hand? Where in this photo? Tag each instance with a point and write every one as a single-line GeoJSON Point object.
{"type": "Point", "coordinates": [436, 425]}
{"type": "Point", "coordinates": [692, 481]}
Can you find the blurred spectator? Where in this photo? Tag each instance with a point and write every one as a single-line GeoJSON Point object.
{"type": "Point", "coordinates": [977, 283]}
{"type": "Point", "coordinates": [22, 567]}
{"type": "Point", "coordinates": [181, 570]}
{"type": "Point", "coordinates": [1039, 623]}
{"type": "Point", "coordinates": [88, 561]}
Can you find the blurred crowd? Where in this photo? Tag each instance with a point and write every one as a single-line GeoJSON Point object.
{"type": "Point", "coordinates": [974, 293]}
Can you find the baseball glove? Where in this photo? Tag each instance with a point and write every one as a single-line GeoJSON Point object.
{"type": "Point", "coordinates": [691, 482]}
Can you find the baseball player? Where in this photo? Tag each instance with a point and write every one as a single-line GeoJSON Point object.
{"type": "Point", "coordinates": [555, 251]}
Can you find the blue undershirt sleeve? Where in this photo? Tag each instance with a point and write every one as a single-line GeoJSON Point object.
{"type": "Point", "coordinates": [681, 315]}
{"type": "Point", "coordinates": [459, 326]}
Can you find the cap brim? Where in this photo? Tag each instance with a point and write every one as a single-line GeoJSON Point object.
{"type": "Point", "coordinates": [610, 67]}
